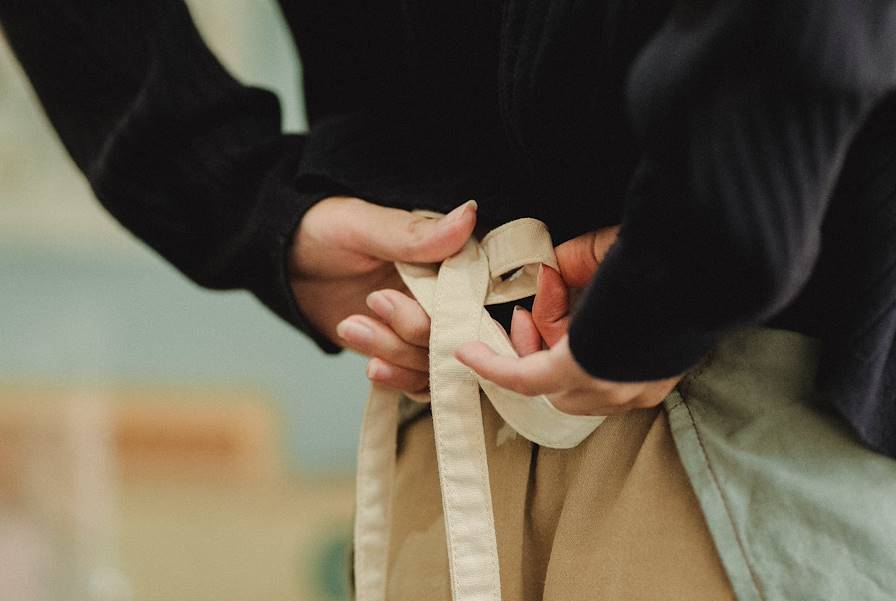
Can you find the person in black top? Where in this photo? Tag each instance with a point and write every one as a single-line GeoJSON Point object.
{"type": "Point", "coordinates": [745, 146]}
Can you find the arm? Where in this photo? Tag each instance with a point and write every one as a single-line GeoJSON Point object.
{"type": "Point", "coordinates": [183, 155]}
{"type": "Point", "coordinates": [745, 111]}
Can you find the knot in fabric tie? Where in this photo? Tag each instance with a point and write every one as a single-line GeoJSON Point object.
{"type": "Point", "coordinates": [500, 268]}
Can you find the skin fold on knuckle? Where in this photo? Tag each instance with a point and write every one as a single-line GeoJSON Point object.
{"type": "Point", "coordinates": [408, 315]}
{"type": "Point", "coordinates": [412, 329]}
{"type": "Point", "coordinates": [586, 252]}
{"type": "Point", "coordinates": [418, 236]}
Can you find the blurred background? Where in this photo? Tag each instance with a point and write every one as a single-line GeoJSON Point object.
{"type": "Point", "coordinates": [158, 441]}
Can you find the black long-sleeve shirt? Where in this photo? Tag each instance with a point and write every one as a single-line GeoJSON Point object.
{"type": "Point", "coordinates": [747, 147]}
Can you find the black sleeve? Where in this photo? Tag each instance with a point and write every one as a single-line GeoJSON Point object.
{"type": "Point", "coordinates": [744, 110]}
{"type": "Point", "coordinates": [183, 155]}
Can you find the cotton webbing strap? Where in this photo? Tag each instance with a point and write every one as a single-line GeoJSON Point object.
{"type": "Point", "coordinates": [455, 295]}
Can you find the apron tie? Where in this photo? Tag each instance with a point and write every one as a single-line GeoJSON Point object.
{"type": "Point", "coordinates": [500, 268]}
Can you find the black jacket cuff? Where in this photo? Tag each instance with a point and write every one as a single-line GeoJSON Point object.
{"type": "Point", "coordinates": [621, 333]}
{"type": "Point", "coordinates": [285, 204]}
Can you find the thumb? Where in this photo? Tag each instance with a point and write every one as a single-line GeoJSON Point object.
{"type": "Point", "coordinates": [580, 257]}
{"type": "Point", "coordinates": [397, 235]}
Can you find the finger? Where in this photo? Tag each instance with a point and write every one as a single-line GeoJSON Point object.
{"type": "Point", "coordinates": [397, 235]}
{"type": "Point", "coordinates": [580, 257]}
{"type": "Point", "coordinates": [403, 314]}
{"type": "Point", "coordinates": [523, 334]}
{"type": "Point", "coordinates": [530, 375]}
{"type": "Point", "coordinates": [375, 339]}
{"type": "Point", "coordinates": [588, 405]}
{"type": "Point", "coordinates": [394, 376]}
{"type": "Point", "coordinates": [550, 310]}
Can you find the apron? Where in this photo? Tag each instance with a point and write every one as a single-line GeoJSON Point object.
{"type": "Point", "coordinates": [797, 507]}
{"type": "Point", "coordinates": [737, 488]}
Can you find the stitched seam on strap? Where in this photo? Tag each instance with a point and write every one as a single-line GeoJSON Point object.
{"type": "Point", "coordinates": [435, 385]}
{"type": "Point", "coordinates": [371, 568]}
{"type": "Point", "coordinates": [525, 223]}
{"type": "Point", "coordinates": [517, 245]}
{"type": "Point", "coordinates": [481, 291]}
{"type": "Point", "coordinates": [508, 227]}
{"type": "Point", "coordinates": [446, 490]}
{"type": "Point", "coordinates": [717, 485]}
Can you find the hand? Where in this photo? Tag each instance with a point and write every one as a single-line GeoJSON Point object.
{"type": "Point", "coordinates": [553, 371]}
{"type": "Point", "coordinates": [398, 342]}
{"type": "Point", "coordinates": [343, 250]}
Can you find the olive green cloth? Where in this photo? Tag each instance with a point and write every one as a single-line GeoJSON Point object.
{"type": "Point", "coordinates": [798, 509]}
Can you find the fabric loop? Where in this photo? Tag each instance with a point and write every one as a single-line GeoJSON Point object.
{"type": "Point", "coordinates": [455, 295]}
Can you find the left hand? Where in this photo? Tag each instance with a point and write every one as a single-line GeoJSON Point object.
{"type": "Point", "coordinates": [344, 252]}
{"type": "Point", "coordinates": [553, 371]}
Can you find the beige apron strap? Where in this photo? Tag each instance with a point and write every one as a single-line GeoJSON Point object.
{"type": "Point", "coordinates": [457, 421]}
{"type": "Point", "coordinates": [455, 295]}
{"type": "Point", "coordinates": [373, 495]}
{"type": "Point", "coordinates": [522, 244]}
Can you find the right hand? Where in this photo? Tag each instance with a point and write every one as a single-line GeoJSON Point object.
{"type": "Point", "coordinates": [578, 259]}
{"type": "Point", "coordinates": [546, 364]}
{"type": "Point", "coordinates": [344, 250]}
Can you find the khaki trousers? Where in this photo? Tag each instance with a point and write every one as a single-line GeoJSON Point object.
{"type": "Point", "coordinates": [614, 518]}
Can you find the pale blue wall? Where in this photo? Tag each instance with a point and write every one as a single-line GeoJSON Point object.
{"type": "Point", "coordinates": [81, 302]}
{"type": "Point", "coordinates": [84, 318]}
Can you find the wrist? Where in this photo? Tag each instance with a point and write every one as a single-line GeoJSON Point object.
{"type": "Point", "coordinates": [304, 298]}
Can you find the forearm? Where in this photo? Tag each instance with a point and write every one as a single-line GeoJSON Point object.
{"type": "Point", "coordinates": [191, 161]}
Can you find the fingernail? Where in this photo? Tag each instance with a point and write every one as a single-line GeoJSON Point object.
{"type": "Point", "coordinates": [372, 370]}
{"type": "Point", "coordinates": [458, 213]}
{"type": "Point", "coordinates": [377, 370]}
{"type": "Point", "coordinates": [381, 305]}
{"type": "Point", "coordinates": [354, 331]}
{"type": "Point", "coordinates": [517, 308]}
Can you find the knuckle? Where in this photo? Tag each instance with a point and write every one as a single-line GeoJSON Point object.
{"type": "Point", "coordinates": [417, 229]}
{"type": "Point", "coordinates": [418, 330]}
{"type": "Point", "coordinates": [410, 322]}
